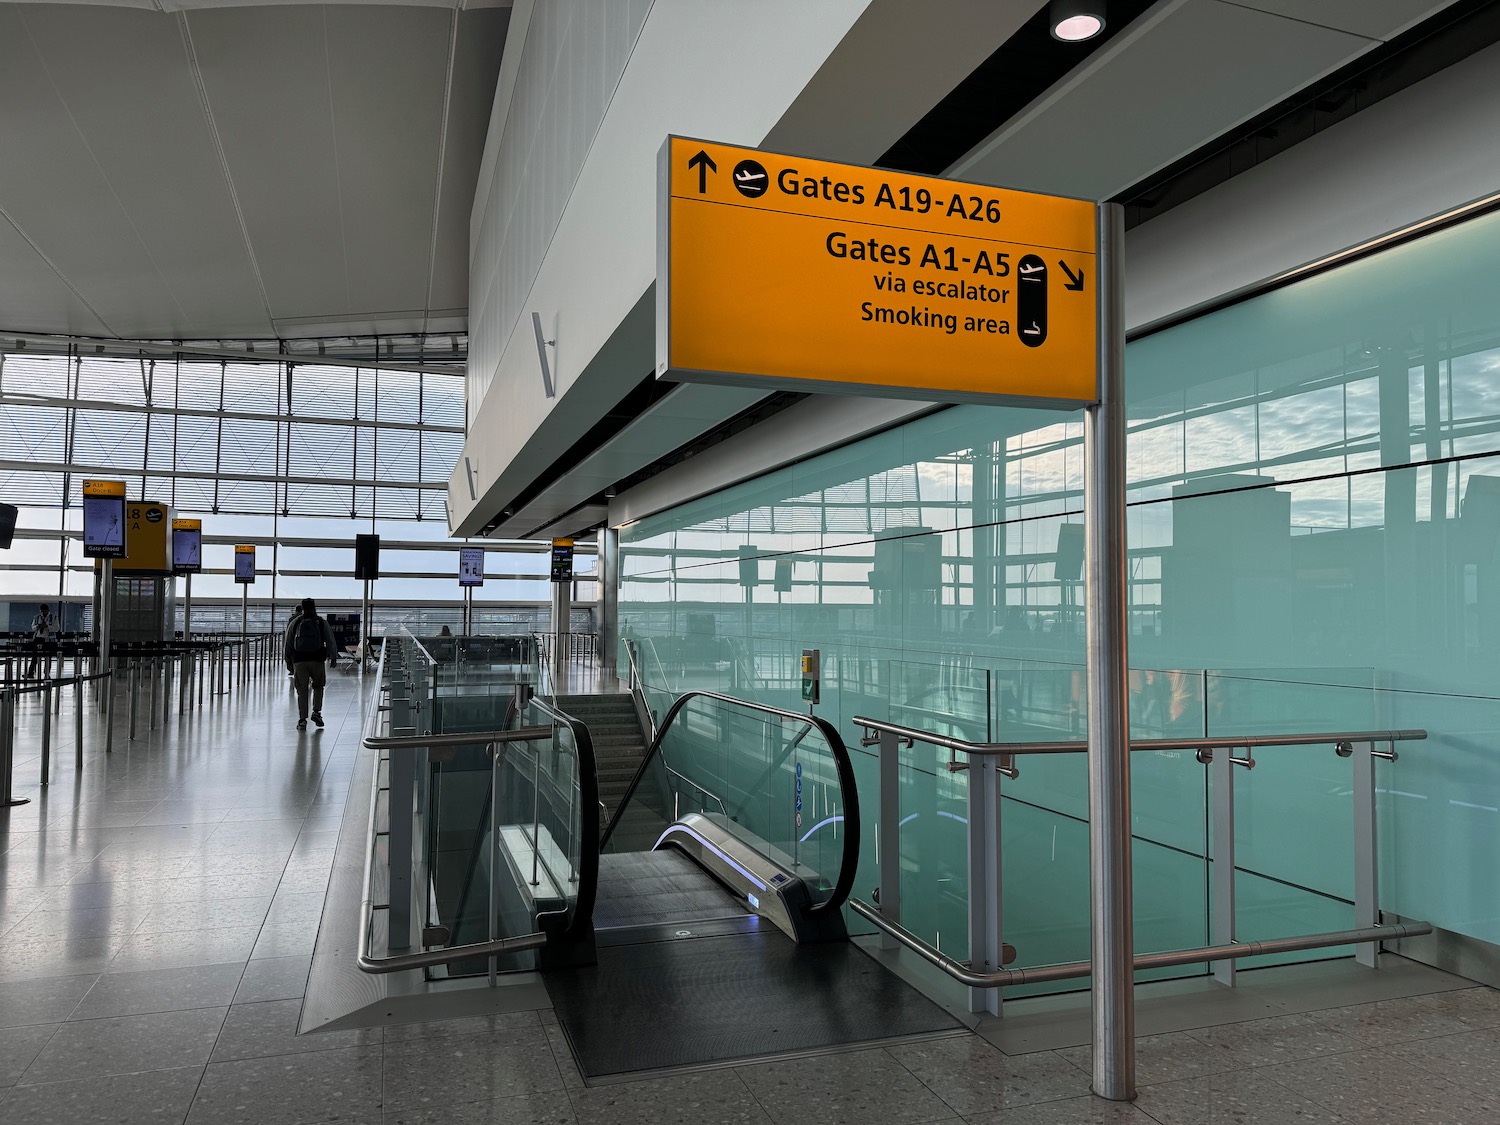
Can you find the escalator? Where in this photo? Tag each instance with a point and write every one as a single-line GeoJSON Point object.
{"type": "Point", "coordinates": [705, 922]}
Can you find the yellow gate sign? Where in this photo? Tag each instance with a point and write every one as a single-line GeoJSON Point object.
{"type": "Point", "coordinates": [781, 272]}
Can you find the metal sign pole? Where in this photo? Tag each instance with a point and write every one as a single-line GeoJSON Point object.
{"type": "Point", "coordinates": [244, 626]}
{"type": "Point", "coordinates": [104, 627]}
{"type": "Point", "coordinates": [364, 624]}
{"type": "Point", "coordinates": [1107, 609]}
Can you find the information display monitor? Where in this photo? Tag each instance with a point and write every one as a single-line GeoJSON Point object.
{"type": "Point", "coordinates": [187, 546]}
{"type": "Point", "coordinates": [104, 519]}
{"type": "Point", "coordinates": [471, 566]}
{"type": "Point", "coordinates": [244, 564]}
{"type": "Point", "coordinates": [562, 560]}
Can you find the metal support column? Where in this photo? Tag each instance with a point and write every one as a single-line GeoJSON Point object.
{"type": "Point", "coordinates": [986, 947]}
{"type": "Point", "coordinates": [364, 625]}
{"type": "Point", "coordinates": [562, 613]}
{"type": "Point", "coordinates": [78, 721]}
{"type": "Point", "coordinates": [608, 567]}
{"type": "Point", "coordinates": [166, 687]}
{"type": "Point", "coordinates": [8, 797]}
{"type": "Point", "coordinates": [244, 626]}
{"type": "Point", "coordinates": [135, 671]}
{"type": "Point", "coordinates": [155, 674]}
{"type": "Point", "coordinates": [1111, 911]}
{"type": "Point", "coordinates": [1221, 905]}
{"type": "Point", "coordinates": [401, 777]}
{"type": "Point", "coordinates": [46, 729]}
{"type": "Point", "coordinates": [110, 685]}
{"type": "Point", "coordinates": [889, 848]}
{"type": "Point", "coordinates": [1366, 852]}
{"type": "Point", "coordinates": [104, 627]}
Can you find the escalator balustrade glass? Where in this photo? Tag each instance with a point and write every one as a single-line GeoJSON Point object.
{"type": "Point", "coordinates": [771, 781]}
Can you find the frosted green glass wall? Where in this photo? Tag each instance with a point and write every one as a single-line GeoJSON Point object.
{"type": "Point", "coordinates": [1315, 508]}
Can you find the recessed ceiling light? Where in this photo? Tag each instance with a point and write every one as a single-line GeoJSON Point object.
{"type": "Point", "coordinates": [1074, 21]}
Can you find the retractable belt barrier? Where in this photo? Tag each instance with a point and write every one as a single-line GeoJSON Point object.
{"type": "Point", "coordinates": [150, 671]}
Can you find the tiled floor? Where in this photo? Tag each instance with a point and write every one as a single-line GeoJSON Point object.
{"type": "Point", "coordinates": [157, 916]}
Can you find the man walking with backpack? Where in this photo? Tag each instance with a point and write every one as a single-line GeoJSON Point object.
{"type": "Point", "coordinates": [309, 642]}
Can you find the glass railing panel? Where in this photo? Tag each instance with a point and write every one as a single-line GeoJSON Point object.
{"type": "Point", "coordinates": [558, 834]}
{"type": "Point", "coordinates": [460, 857]}
{"type": "Point", "coordinates": [509, 841]}
{"type": "Point", "coordinates": [1045, 859]}
{"type": "Point", "coordinates": [1294, 812]}
{"type": "Point", "coordinates": [1268, 908]}
{"type": "Point", "coordinates": [934, 826]}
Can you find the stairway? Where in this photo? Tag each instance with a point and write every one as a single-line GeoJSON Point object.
{"type": "Point", "coordinates": [619, 742]}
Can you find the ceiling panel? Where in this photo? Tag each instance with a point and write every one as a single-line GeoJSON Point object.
{"type": "Point", "coordinates": [1377, 19]}
{"type": "Point", "coordinates": [167, 178]}
{"type": "Point", "coordinates": [58, 195]}
{"type": "Point", "coordinates": [32, 293]}
{"type": "Point", "coordinates": [240, 170]}
{"type": "Point", "coordinates": [267, 83]}
{"type": "Point", "coordinates": [476, 66]}
{"type": "Point", "coordinates": [1154, 95]}
{"type": "Point", "coordinates": [387, 79]}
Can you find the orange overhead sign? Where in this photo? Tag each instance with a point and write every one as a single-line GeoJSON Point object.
{"type": "Point", "coordinates": [798, 274]}
{"type": "Point", "coordinates": [147, 538]}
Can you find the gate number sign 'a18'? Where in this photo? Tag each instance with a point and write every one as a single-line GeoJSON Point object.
{"type": "Point", "coordinates": [779, 271]}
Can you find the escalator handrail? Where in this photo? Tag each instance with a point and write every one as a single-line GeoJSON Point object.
{"type": "Point", "coordinates": [588, 818]}
{"type": "Point", "coordinates": [849, 863]}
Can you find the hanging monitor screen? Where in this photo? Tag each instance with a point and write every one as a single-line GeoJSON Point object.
{"type": "Point", "coordinates": [187, 546]}
{"type": "Point", "coordinates": [104, 519]}
{"type": "Point", "coordinates": [244, 564]}
{"type": "Point", "coordinates": [471, 566]}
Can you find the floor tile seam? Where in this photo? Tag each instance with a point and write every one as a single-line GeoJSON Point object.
{"type": "Point", "coordinates": [1449, 1078]}
{"type": "Point", "coordinates": [1324, 1106]}
{"type": "Point", "coordinates": [21, 1083]}
{"type": "Point", "coordinates": [1398, 1042]}
{"type": "Point", "coordinates": [1146, 1113]}
{"type": "Point", "coordinates": [296, 1053]}
{"type": "Point", "coordinates": [923, 1083]}
{"type": "Point", "coordinates": [20, 1077]}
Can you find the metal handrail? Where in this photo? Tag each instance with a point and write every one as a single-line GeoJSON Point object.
{"type": "Point", "coordinates": [1000, 758]}
{"type": "Point", "coordinates": [960, 970]}
{"type": "Point", "coordinates": [1209, 743]}
{"type": "Point", "coordinates": [844, 765]}
{"type": "Point", "coordinates": [638, 694]}
{"type": "Point", "coordinates": [408, 635]}
{"type": "Point", "coordinates": [414, 741]}
{"type": "Point", "coordinates": [588, 818]}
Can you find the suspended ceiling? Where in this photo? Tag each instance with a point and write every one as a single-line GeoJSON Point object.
{"type": "Point", "coordinates": [221, 171]}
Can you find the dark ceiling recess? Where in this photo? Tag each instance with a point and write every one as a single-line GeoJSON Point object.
{"type": "Point", "coordinates": [641, 398]}
{"type": "Point", "coordinates": [1448, 37]}
{"type": "Point", "coordinates": [1024, 67]}
{"type": "Point", "coordinates": [763, 410]}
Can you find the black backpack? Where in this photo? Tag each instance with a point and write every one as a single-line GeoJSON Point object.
{"type": "Point", "coordinates": [307, 641]}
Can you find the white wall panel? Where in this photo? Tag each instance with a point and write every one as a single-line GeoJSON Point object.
{"type": "Point", "coordinates": [599, 256]}
{"type": "Point", "coordinates": [1424, 151]}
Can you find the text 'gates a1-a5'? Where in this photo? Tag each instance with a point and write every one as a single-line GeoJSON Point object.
{"type": "Point", "coordinates": [800, 274]}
